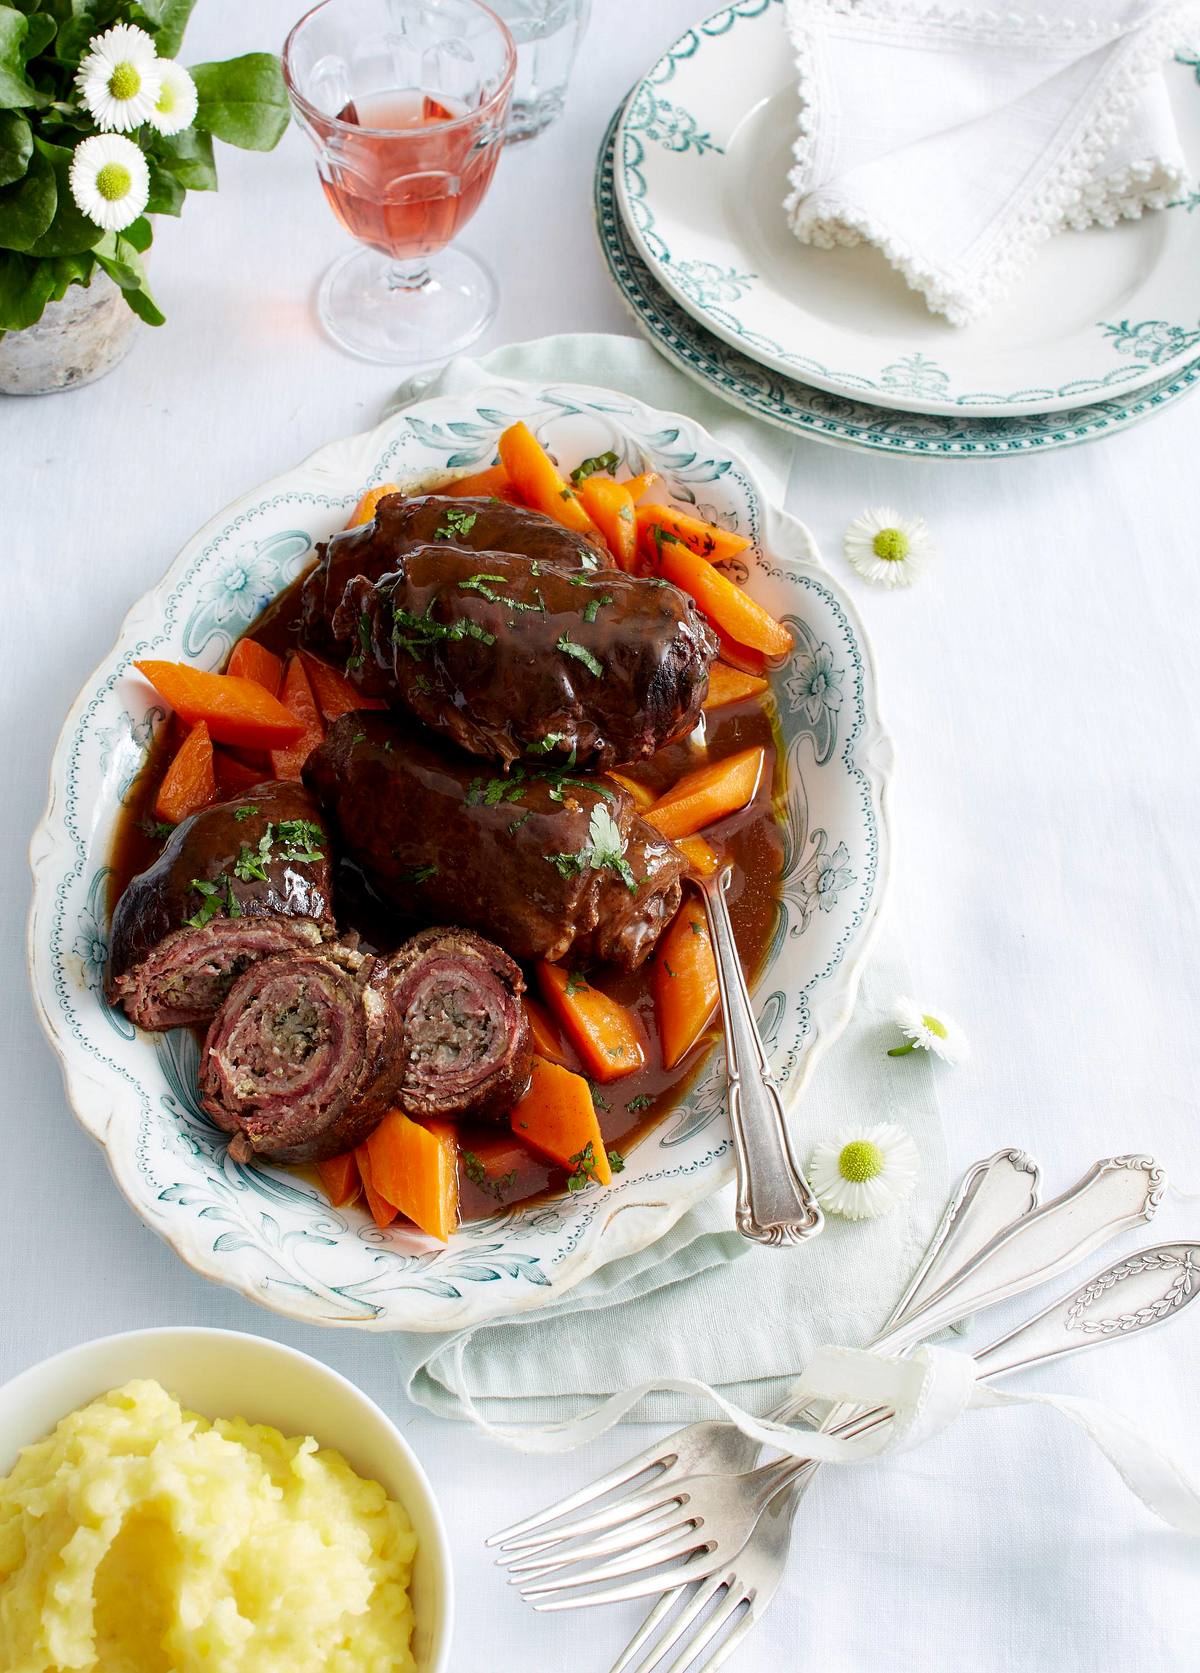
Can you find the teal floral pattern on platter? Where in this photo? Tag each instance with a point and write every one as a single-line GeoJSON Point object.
{"type": "Point", "coordinates": [807, 411]}
{"type": "Point", "coordinates": [764, 320]}
{"type": "Point", "coordinates": [675, 129]}
{"type": "Point", "coordinates": [708, 283]}
{"type": "Point", "coordinates": [269, 1233]}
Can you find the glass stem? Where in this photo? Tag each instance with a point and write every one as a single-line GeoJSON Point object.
{"type": "Point", "coordinates": [408, 275]}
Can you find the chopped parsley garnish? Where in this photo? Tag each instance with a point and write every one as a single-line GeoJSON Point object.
{"type": "Point", "coordinates": [616, 1161]}
{"type": "Point", "coordinates": [583, 1166]}
{"type": "Point", "coordinates": [641, 1102]}
{"type": "Point", "coordinates": [490, 791]}
{"type": "Point", "coordinates": [299, 839]}
{"type": "Point", "coordinates": [535, 569]}
{"type": "Point", "coordinates": [581, 654]}
{"type": "Point", "coordinates": [421, 684]}
{"type": "Point", "coordinates": [599, 1101]}
{"type": "Point", "coordinates": [696, 925]}
{"type": "Point", "coordinates": [418, 874]}
{"type": "Point", "coordinates": [479, 1176]}
{"type": "Point", "coordinates": [671, 973]}
{"type": "Point", "coordinates": [479, 584]}
{"type": "Point", "coordinates": [247, 812]}
{"type": "Point", "coordinates": [455, 524]}
{"type": "Point", "coordinates": [521, 819]}
{"type": "Point", "coordinates": [594, 606]}
{"type": "Point", "coordinates": [251, 864]}
{"type": "Point", "coordinates": [626, 512]}
{"type": "Point", "coordinates": [661, 537]}
{"type": "Point", "coordinates": [605, 847]}
{"type": "Point", "coordinates": [160, 829]}
{"type": "Point", "coordinates": [543, 746]}
{"type": "Point", "coordinates": [603, 462]}
{"type": "Point", "coordinates": [210, 905]}
{"type": "Point", "coordinates": [364, 643]}
{"type": "Point", "coordinates": [565, 494]}
{"type": "Point", "coordinates": [416, 633]}
{"type": "Point", "coordinates": [358, 738]}
{"type": "Point", "coordinates": [575, 981]}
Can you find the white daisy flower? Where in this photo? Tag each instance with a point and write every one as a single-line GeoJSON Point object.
{"type": "Point", "coordinates": [887, 548]}
{"type": "Point", "coordinates": [864, 1171]}
{"type": "Point", "coordinates": [928, 1032]}
{"type": "Point", "coordinates": [177, 101]}
{"type": "Point", "coordinates": [110, 180]}
{"type": "Point", "coordinates": [119, 80]}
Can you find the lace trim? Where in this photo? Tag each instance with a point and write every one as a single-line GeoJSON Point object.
{"type": "Point", "coordinates": [1067, 195]}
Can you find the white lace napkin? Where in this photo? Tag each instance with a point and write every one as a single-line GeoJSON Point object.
{"type": "Point", "coordinates": [957, 137]}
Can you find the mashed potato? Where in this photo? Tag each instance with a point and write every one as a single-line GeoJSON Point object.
{"type": "Point", "coordinates": [140, 1538]}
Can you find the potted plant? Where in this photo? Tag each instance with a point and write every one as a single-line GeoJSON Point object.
{"type": "Point", "coordinates": [100, 128]}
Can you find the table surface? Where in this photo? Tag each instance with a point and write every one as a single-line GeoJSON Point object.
{"type": "Point", "coordinates": [1040, 685]}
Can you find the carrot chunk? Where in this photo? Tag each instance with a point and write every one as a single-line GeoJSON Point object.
{"type": "Point", "coordinates": [725, 605]}
{"type": "Point", "coordinates": [235, 776]}
{"type": "Point", "coordinates": [685, 983]}
{"type": "Point", "coordinates": [702, 859]}
{"type": "Point", "coordinates": [253, 661]}
{"type": "Point", "coordinates": [298, 699]}
{"type": "Point", "coordinates": [492, 483]}
{"type": "Point", "coordinates": [334, 694]}
{"type": "Point", "coordinates": [364, 511]}
{"type": "Point", "coordinates": [537, 479]}
{"type": "Point", "coordinates": [416, 1168]}
{"type": "Point", "coordinates": [340, 1177]}
{"type": "Point", "coordinates": [731, 685]}
{"type": "Point", "coordinates": [661, 525]}
{"type": "Point", "coordinates": [610, 506]}
{"type": "Point", "coordinates": [547, 1041]}
{"type": "Point", "coordinates": [708, 794]}
{"type": "Point", "coordinates": [191, 781]}
{"type": "Point", "coordinates": [643, 796]}
{"type": "Point", "coordinates": [604, 1033]}
{"type": "Point", "coordinates": [236, 710]}
{"type": "Point", "coordinates": [557, 1117]}
{"type": "Point", "coordinates": [383, 1212]}
{"type": "Point", "coordinates": [738, 656]}
{"type": "Point", "coordinates": [641, 485]}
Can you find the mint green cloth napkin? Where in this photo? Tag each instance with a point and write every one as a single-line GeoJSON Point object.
{"type": "Point", "coordinates": [701, 1302]}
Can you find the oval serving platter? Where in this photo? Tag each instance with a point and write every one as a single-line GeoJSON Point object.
{"type": "Point", "coordinates": [266, 1232]}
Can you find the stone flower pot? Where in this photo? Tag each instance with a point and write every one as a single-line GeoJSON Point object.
{"type": "Point", "coordinates": [75, 342]}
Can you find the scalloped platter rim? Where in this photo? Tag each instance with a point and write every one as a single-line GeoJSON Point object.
{"type": "Point", "coordinates": [269, 1234]}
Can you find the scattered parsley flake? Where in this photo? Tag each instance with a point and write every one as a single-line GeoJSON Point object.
{"type": "Point", "coordinates": [604, 463]}
{"type": "Point", "coordinates": [669, 971]}
{"type": "Point", "coordinates": [641, 1102]}
{"type": "Point", "coordinates": [626, 512]}
{"type": "Point", "coordinates": [455, 524]}
{"type": "Point", "coordinates": [576, 980]}
{"type": "Point", "coordinates": [696, 925]}
{"type": "Point", "coordinates": [418, 874]}
{"type": "Point", "coordinates": [581, 654]}
{"type": "Point", "coordinates": [160, 829]}
{"type": "Point", "coordinates": [300, 839]}
{"type": "Point", "coordinates": [479, 1176]}
{"type": "Point", "coordinates": [583, 1165]}
{"type": "Point", "coordinates": [416, 633]}
{"type": "Point", "coordinates": [244, 813]}
{"type": "Point", "coordinates": [364, 643]}
{"type": "Point", "coordinates": [209, 906]}
{"type": "Point", "coordinates": [605, 847]}
{"type": "Point", "coordinates": [358, 738]}
{"type": "Point", "coordinates": [616, 1161]}
{"type": "Point", "coordinates": [594, 606]}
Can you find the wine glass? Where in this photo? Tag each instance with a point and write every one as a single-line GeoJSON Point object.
{"type": "Point", "coordinates": [406, 103]}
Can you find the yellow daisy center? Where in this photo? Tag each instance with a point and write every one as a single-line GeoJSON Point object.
{"type": "Point", "coordinates": [935, 1027]}
{"type": "Point", "coordinates": [860, 1160]}
{"type": "Point", "coordinates": [166, 99]}
{"type": "Point", "coordinates": [125, 82]}
{"type": "Point", "coordinates": [113, 182]}
{"type": "Point", "coordinates": [891, 545]}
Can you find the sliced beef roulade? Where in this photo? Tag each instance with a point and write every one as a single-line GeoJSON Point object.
{"type": "Point", "coordinates": [235, 883]}
{"type": "Point", "coordinates": [467, 1049]}
{"type": "Point", "coordinates": [304, 1056]}
{"type": "Point", "coordinates": [513, 660]}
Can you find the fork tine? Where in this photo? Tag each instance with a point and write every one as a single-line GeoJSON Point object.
{"type": "Point", "coordinates": [645, 1460]}
{"type": "Point", "coordinates": [703, 1595]}
{"type": "Point", "coordinates": [646, 1586]}
{"type": "Point", "coordinates": [612, 1516]}
{"type": "Point", "coordinates": [634, 1562]}
{"type": "Point", "coordinates": [646, 1631]}
{"type": "Point", "coordinates": [748, 1621]}
{"type": "Point", "coordinates": [717, 1621]}
{"type": "Point", "coordinates": [640, 1531]}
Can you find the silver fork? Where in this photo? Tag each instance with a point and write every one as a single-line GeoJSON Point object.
{"type": "Point", "coordinates": [696, 1519]}
{"type": "Point", "coordinates": [993, 1194]}
{"type": "Point", "coordinates": [749, 1581]}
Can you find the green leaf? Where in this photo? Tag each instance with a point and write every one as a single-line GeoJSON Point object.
{"type": "Point", "coordinates": [70, 232]}
{"type": "Point", "coordinates": [166, 192]}
{"type": "Point", "coordinates": [120, 260]}
{"type": "Point", "coordinates": [243, 101]}
{"type": "Point", "coordinates": [25, 288]}
{"type": "Point", "coordinates": [27, 208]}
{"type": "Point", "coordinates": [40, 33]}
{"type": "Point", "coordinates": [167, 19]}
{"type": "Point", "coordinates": [140, 234]}
{"type": "Point", "coordinates": [16, 89]}
{"type": "Point", "coordinates": [70, 270]}
{"type": "Point", "coordinates": [189, 156]}
{"type": "Point", "coordinates": [16, 146]}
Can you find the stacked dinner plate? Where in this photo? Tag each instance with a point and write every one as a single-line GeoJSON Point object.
{"type": "Point", "coordinates": [690, 181]}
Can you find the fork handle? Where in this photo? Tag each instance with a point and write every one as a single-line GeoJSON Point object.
{"type": "Point", "coordinates": [775, 1203]}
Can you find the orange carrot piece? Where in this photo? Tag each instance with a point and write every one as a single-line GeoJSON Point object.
{"type": "Point", "coordinates": [547, 1041]}
{"type": "Point", "coordinates": [191, 781]}
{"type": "Point", "coordinates": [382, 1211]}
{"type": "Point", "coordinates": [685, 983]}
{"type": "Point", "coordinates": [705, 539]}
{"type": "Point", "coordinates": [610, 506]}
{"type": "Point", "coordinates": [643, 796]}
{"type": "Point", "coordinates": [253, 661]}
{"type": "Point", "coordinates": [364, 511]}
{"type": "Point", "coordinates": [731, 685]}
{"type": "Point", "coordinates": [604, 1033]}
{"type": "Point", "coordinates": [298, 699]}
{"type": "Point", "coordinates": [340, 1178]}
{"type": "Point", "coordinates": [708, 794]}
{"type": "Point", "coordinates": [234, 776]}
{"type": "Point", "coordinates": [538, 480]}
{"type": "Point", "coordinates": [333, 692]}
{"type": "Point", "coordinates": [724, 604]}
{"type": "Point", "coordinates": [558, 1118]}
{"type": "Point", "coordinates": [492, 483]}
{"type": "Point", "coordinates": [417, 1168]}
{"type": "Point", "coordinates": [738, 656]}
{"type": "Point", "coordinates": [640, 485]}
{"type": "Point", "coordinates": [700, 857]}
{"type": "Point", "coordinates": [237, 710]}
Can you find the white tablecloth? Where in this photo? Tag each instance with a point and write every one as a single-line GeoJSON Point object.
{"type": "Point", "coordinates": [1041, 686]}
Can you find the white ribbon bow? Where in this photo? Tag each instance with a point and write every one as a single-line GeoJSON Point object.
{"type": "Point", "coordinates": [927, 1391]}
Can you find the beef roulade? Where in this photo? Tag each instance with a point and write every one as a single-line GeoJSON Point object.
{"type": "Point", "coordinates": [237, 882]}
{"type": "Point", "coordinates": [304, 1056]}
{"type": "Point", "coordinates": [467, 1048]}
{"type": "Point", "coordinates": [533, 859]}
{"type": "Point", "coordinates": [514, 661]}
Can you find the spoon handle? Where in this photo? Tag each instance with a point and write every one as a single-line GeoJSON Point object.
{"type": "Point", "coordinates": [775, 1203]}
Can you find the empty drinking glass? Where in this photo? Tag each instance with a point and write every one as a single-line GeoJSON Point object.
{"type": "Point", "coordinates": [547, 34]}
{"type": "Point", "coordinates": [405, 102]}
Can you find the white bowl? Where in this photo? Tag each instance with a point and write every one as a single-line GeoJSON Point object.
{"type": "Point", "coordinates": [223, 1373]}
